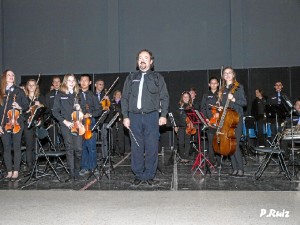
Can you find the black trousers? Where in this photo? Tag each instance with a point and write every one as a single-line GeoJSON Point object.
{"type": "Point", "coordinates": [12, 142]}
{"type": "Point", "coordinates": [73, 146]}
{"type": "Point", "coordinates": [237, 158]}
{"type": "Point", "coordinates": [183, 143]}
{"type": "Point", "coordinates": [118, 138]}
{"type": "Point", "coordinates": [29, 140]}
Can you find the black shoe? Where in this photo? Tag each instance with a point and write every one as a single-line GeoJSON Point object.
{"type": "Point", "coordinates": [136, 182]}
{"type": "Point", "coordinates": [150, 182]}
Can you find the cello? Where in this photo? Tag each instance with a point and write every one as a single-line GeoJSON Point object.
{"type": "Point", "coordinates": [224, 141]}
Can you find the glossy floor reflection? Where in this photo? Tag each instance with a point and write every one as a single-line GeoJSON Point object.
{"type": "Point", "coordinates": [169, 177]}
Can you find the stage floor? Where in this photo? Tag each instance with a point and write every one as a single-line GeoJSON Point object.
{"type": "Point", "coordinates": [169, 177]}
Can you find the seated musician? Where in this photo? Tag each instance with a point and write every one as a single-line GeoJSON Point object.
{"type": "Point", "coordinates": [13, 103]}
{"type": "Point", "coordinates": [65, 103]}
{"type": "Point", "coordinates": [184, 133]}
{"type": "Point", "coordinates": [35, 98]}
{"type": "Point", "coordinates": [286, 144]}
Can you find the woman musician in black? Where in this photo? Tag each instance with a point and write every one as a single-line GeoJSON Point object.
{"type": "Point", "coordinates": [65, 103]}
{"type": "Point", "coordinates": [184, 132]}
{"type": "Point", "coordinates": [35, 100]}
{"type": "Point", "coordinates": [13, 103]}
{"type": "Point", "coordinates": [237, 102]}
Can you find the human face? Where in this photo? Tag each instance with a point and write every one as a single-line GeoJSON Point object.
{"type": "Point", "coordinates": [278, 86]}
{"type": "Point", "coordinates": [144, 61]}
{"type": "Point", "coordinates": [31, 86]}
{"type": "Point", "coordinates": [99, 86]}
{"type": "Point", "coordinates": [186, 98]}
{"type": "Point", "coordinates": [193, 94]}
{"type": "Point", "coordinates": [71, 81]}
{"type": "Point", "coordinates": [56, 83]}
{"type": "Point", "coordinates": [10, 78]}
{"type": "Point", "coordinates": [228, 76]}
{"type": "Point", "coordinates": [213, 84]}
{"type": "Point", "coordinates": [297, 106]}
{"type": "Point", "coordinates": [258, 94]}
{"type": "Point", "coordinates": [118, 95]}
{"type": "Point", "coordinates": [85, 83]}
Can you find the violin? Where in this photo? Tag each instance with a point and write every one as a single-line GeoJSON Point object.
{"type": "Point", "coordinates": [77, 117]}
{"type": "Point", "coordinates": [105, 103]}
{"type": "Point", "coordinates": [13, 116]}
{"type": "Point", "coordinates": [87, 125]}
{"type": "Point", "coordinates": [190, 129]}
{"type": "Point", "coordinates": [214, 119]}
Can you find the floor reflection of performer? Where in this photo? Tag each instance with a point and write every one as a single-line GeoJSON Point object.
{"type": "Point", "coordinates": [286, 144]}
{"type": "Point", "coordinates": [184, 132]}
{"type": "Point", "coordinates": [12, 98]}
{"type": "Point", "coordinates": [210, 99]}
{"type": "Point", "coordinates": [35, 99]}
{"type": "Point", "coordinates": [237, 102]}
{"type": "Point", "coordinates": [258, 112]}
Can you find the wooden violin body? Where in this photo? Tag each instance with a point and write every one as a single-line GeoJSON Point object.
{"type": "Point", "coordinates": [87, 125]}
{"type": "Point", "coordinates": [77, 128]}
{"type": "Point", "coordinates": [190, 129]}
{"type": "Point", "coordinates": [12, 126]}
{"type": "Point", "coordinates": [214, 119]}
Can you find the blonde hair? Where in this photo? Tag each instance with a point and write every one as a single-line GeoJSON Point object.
{"type": "Point", "coordinates": [64, 87]}
{"type": "Point", "coordinates": [37, 88]}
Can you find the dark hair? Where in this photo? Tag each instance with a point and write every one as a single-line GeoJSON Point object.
{"type": "Point", "coordinates": [213, 78]}
{"type": "Point", "coordinates": [193, 89]}
{"type": "Point", "coordinates": [85, 75]}
{"type": "Point", "coordinates": [297, 100]}
{"type": "Point", "coordinates": [151, 58]}
{"type": "Point", "coordinates": [56, 77]}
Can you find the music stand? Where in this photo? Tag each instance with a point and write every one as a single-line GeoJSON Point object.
{"type": "Point", "coordinates": [36, 115]}
{"type": "Point", "coordinates": [275, 111]}
{"type": "Point", "coordinates": [99, 122]}
{"type": "Point", "coordinates": [175, 122]}
{"type": "Point", "coordinates": [198, 118]}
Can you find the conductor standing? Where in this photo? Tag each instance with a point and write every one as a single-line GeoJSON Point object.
{"type": "Point", "coordinates": [145, 103]}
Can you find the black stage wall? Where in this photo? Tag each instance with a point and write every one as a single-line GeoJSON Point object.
{"type": "Point", "coordinates": [62, 36]}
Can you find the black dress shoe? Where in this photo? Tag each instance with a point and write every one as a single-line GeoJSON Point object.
{"type": "Point", "coordinates": [136, 182]}
{"type": "Point", "coordinates": [150, 182]}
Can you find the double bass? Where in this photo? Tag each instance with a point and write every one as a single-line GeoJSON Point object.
{"type": "Point", "coordinates": [224, 141]}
